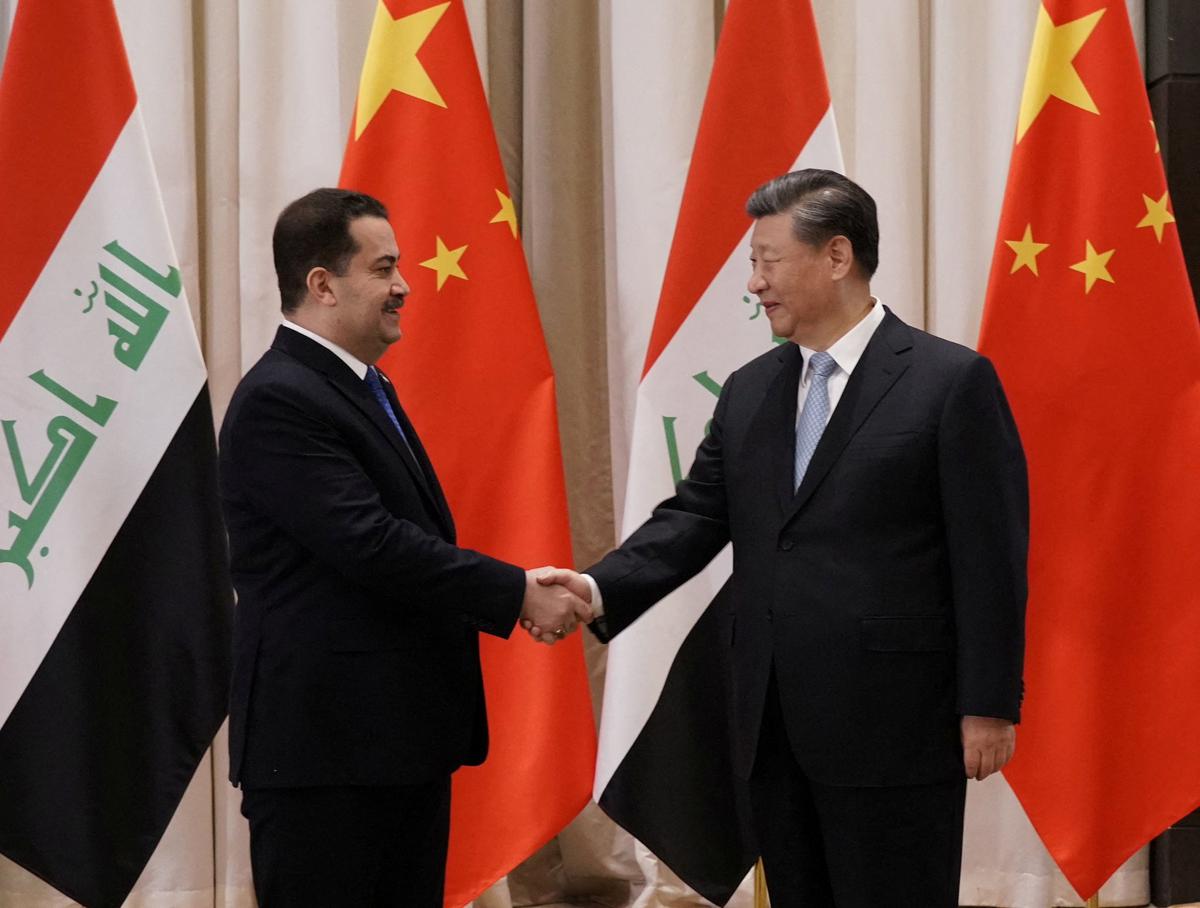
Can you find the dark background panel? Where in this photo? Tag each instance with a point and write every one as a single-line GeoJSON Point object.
{"type": "Point", "coordinates": [1173, 79]}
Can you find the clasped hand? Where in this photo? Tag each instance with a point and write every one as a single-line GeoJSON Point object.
{"type": "Point", "coordinates": [556, 600]}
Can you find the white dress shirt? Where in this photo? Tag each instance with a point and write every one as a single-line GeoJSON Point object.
{"type": "Point", "coordinates": [846, 351]}
{"type": "Point", "coordinates": [357, 366]}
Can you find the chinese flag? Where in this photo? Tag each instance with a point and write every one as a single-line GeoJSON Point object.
{"type": "Point", "coordinates": [1092, 326]}
{"type": "Point", "coordinates": [473, 373]}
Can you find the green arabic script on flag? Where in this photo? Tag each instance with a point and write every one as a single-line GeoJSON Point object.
{"type": "Point", "coordinates": [711, 385]}
{"type": "Point", "coordinates": [70, 441]}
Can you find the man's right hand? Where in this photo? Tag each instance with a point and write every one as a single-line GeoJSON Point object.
{"type": "Point", "coordinates": [572, 580]}
{"type": "Point", "coordinates": [550, 612]}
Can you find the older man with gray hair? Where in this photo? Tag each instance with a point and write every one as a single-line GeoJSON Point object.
{"type": "Point", "coordinates": [872, 482]}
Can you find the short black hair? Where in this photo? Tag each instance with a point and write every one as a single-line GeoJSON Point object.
{"type": "Point", "coordinates": [314, 232]}
{"type": "Point", "coordinates": [823, 204]}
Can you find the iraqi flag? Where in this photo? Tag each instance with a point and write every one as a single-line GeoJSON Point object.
{"type": "Point", "coordinates": [664, 768]}
{"type": "Point", "coordinates": [1092, 326]}
{"type": "Point", "coordinates": [115, 603]}
{"type": "Point", "coordinates": [474, 375]}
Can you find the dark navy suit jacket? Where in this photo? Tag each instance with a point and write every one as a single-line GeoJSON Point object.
{"type": "Point", "coordinates": [356, 643]}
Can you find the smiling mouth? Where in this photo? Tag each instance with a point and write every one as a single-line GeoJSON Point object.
{"type": "Point", "coordinates": [394, 306]}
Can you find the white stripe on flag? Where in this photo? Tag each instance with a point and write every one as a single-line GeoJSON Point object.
{"type": "Point", "coordinates": [723, 332]}
{"type": "Point", "coordinates": [84, 461]}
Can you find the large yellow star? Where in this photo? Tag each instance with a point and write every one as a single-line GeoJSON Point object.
{"type": "Point", "coordinates": [1027, 251]}
{"type": "Point", "coordinates": [1051, 72]}
{"type": "Point", "coordinates": [445, 263]}
{"type": "Point", "coordinates": [1156, 214]}
{"type": "Point", "coordinates": [507, 213]}
{"type": "Point", "coordinates": [1094, 267]}
{"type": "Point", "coordinates": [391, 62]}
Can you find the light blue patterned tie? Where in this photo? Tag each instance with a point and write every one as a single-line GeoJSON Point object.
{"type": "Point", "coordinates": [815, 412]}
{"type": "Point", "coordinates": [376, 386]}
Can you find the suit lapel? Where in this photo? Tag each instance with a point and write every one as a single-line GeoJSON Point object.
{"type": "Point", "coordinates": [422, 475]}
{"type": "Point", "coordinates": [884, 360]}
{"type": "Point", "coordinates": [772, 430]}
{"type": "Point", "coordinates": [354, 389]}
{"type": "Point", "coordinates": [422, 457]}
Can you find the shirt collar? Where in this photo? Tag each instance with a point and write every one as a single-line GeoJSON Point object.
{"type": "Point", "coordinates": [848, 349]}
{"type": "Point", "coordinates": [357, 366]}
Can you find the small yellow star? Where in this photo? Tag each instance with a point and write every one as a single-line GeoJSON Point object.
{"type": "Point", "coordinates": [1051, 72]}
{"type": "Point", "coordinates": [1027, 251]}
{"type": "Point", "coordinates": [391, 62]}
{"type": "Point", "coordinates": [1156, 214]}
{"type": "Point", "coordinates": [445, 263]}
{"type": "Point", "coordinates": [1154, 129]}
{"type": "Point", "coordinates": [507, 213]}
{"type": "Point", "coordinates": [1094, 267]}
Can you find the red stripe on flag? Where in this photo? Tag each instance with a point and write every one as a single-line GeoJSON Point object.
{"type": "Point", "coordinates": [766, 95]}
{"type": "Point", "coordinates": [474, 375]}
{"type": "Point", "coordinates": [57, 126]}
{"type": "Point", "coordinates": [1092, 327]}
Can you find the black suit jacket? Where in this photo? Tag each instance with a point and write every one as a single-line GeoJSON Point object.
{"type": "Point", "coordinates": [356, 643]}
{"type": "Point", "coordinates": [888, 592]}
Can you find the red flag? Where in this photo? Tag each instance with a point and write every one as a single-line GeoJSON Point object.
{"type": "Point", "coordinates": [475, 377]}
{"type": "Point", "coordinates": [1092, 326]}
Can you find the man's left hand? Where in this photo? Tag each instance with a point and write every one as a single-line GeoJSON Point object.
{"type": "Point", "coordinates": [988, 744]}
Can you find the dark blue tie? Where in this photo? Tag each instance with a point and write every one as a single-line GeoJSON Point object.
{"type": "Point", "coordinates": [376, 387]}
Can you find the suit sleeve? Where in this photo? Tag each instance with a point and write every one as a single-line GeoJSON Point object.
{"type": "Point", "coordinates": [985, 503]}
{"type": "Point", "coordinates": [297, 471]}
{"type": "Point", "coordinates": [683, 534]}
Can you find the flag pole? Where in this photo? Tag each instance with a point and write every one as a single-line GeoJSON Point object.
{"type": "Point", "coordinates": [761, 899]}
{"type": "Point", "coordinates": [1094, 901]}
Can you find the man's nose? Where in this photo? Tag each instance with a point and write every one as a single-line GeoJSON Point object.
{"type": "Point", "coordinates": [400, 286]}
{"type": "Point", "coordinates": [756, 284]}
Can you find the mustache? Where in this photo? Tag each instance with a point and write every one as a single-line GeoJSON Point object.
{"type": "Point", "coordinates": [395, 303]}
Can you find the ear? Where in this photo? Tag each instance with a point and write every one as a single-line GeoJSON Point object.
{"type": "Point", "coordinates": [319, 290]}
{"type": "Point", "coordinates": [841, 257]}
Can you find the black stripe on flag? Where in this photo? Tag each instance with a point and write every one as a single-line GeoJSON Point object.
{"type": "Point", "coordinates": [104, 740]}
{"type": "Point", "coordinates": [675, 789]}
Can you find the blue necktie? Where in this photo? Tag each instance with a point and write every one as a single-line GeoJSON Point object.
{"type": "Point", "coordinates": [815, 413]}
{"type": "Point", "coordinates": [376, 387]}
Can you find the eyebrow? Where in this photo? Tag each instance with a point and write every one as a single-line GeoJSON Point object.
{"type": "Point", "coordinates": [386, 260]}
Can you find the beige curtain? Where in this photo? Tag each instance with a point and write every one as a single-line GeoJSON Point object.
{"type": "Point", "coordinates": [247, 103]}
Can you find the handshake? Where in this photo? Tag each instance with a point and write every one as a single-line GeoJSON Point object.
{"type": "Point", "coordinates": [556, 600]}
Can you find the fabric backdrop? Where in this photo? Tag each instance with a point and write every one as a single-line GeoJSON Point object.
{"type": "Point", "coordinates": [248, 103]}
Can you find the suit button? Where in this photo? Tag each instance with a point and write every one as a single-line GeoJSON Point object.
{"type": "Point", "coordinates": [787, 545]}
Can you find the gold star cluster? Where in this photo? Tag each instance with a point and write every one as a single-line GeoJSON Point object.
{"type": "Point", "coordinates": [1094, 264]}
{"type": "Point", "coordinates": [1052, 74]}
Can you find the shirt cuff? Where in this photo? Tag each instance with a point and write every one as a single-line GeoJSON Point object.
{"type": "Point", "coordinates": [597, 602]}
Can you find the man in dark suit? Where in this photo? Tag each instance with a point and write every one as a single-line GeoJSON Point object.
{"type": "Point", "coordinates": [871, 480]}
{"type": "Point", "coordinates": [357, 687]}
